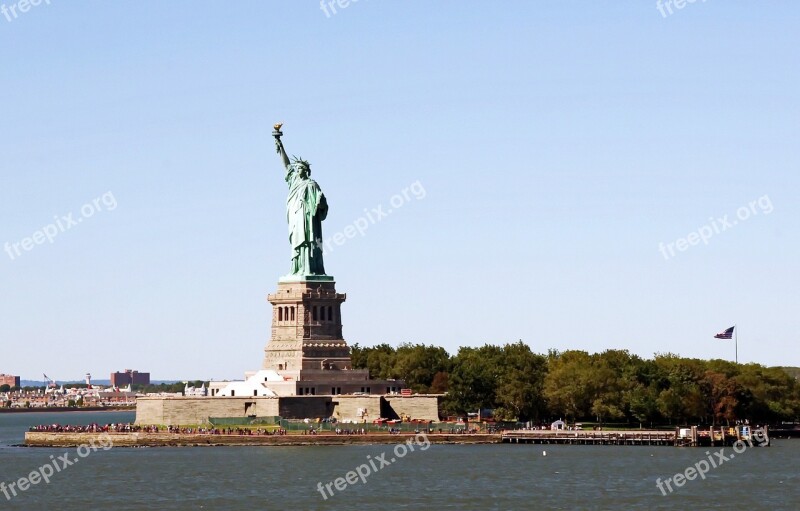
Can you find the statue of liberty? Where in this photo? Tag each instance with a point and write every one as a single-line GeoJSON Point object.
{"type": "Point", "coordinates": [306, 208]}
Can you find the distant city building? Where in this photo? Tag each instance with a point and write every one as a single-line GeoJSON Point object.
{"type": "Point", "coordinates": [7, 379]}
{"type": "Point", "coordinates": [129, 377]}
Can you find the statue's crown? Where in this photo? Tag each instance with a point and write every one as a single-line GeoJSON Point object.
{"type": "Point", "coordinates": [301, 162]}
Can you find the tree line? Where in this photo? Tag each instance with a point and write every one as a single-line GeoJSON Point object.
{"type": "Point", "coordinates": [612, 386]}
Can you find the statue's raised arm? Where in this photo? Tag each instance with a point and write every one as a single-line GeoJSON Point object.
{"type": "Point", "coordinates": [279, 145]}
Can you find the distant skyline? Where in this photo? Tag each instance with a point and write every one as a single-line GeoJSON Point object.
{"type": "Point", "coordinates": [574, 174]}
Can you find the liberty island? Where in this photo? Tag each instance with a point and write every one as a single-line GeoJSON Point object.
{"type": "Point", "coordinates": [307, 371]}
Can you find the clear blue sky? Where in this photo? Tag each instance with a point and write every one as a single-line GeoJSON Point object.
{"type": "Point", "coordinates": [558, 143]}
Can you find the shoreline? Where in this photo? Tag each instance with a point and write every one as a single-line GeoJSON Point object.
{"type": "Point", "coordinates": [142, 439]}
{"type": "Point", "coordinates": [165, 439]}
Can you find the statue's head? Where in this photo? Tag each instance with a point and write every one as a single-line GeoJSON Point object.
{"type": "Point", "coordinates": [302, 167]}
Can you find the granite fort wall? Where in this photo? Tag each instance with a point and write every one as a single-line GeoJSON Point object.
{"type": "Point", "coordinates": [416, 407]}
{"type": "Point", "coordinates": [182, 411]}
{"type": "Point", "coordinates": [357, 408]}
{"type": "Point", "coordinates": [196, 410]}
{"type": "Point", "coordinates": [306, 407]}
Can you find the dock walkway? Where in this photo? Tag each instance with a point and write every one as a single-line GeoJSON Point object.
{"type": "Point", "coordinates": [640, 437]}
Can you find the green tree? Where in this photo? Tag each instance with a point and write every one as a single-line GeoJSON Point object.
{"type": "Point", "coordinates": [358, 356]}
{"type": "Point", "coordinates": [474, 379]}
{"type": "Point", "coordinates": [682, 403]}
{"type": "Point", "coordinates": [568, 384]}
{"type": "Point", "coordinates": [722, 395]}
{"type": "Point", "coordinates": [612, 379]}
{"type": "Point", "coordinates": [793, 372]}
{"type": "Point", "coordinates": [771, 394]}
{"type": "Point", "coordinates": [644, 403]}
{"type": "Point", "coordinates": [418, 365]}
{"type": "Point", "coordinates": [380, 360]}
{"type": "Point", "coordinates": [520, 389]}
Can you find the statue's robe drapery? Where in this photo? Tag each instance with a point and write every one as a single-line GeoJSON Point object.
{"type": "Point", "coordinates": [306, 208]}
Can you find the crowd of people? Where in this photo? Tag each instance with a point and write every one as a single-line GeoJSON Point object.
{"type": "Point", "coordinates": [225, 431]}
{"type": "Point", "coordinates": [241, 431]}
{"type": "Point", "coordinates": [356, 431]}
{"type": "Point", "coordinates": [135, 428]}
{"type": "Point", "coordinates": [90, 428]}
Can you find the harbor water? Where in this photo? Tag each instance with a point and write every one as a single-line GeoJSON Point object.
{"type": "Point", "coordinates": [461, 477]}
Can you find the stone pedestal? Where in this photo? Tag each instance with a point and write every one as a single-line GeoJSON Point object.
{"type": "Point", "coordinates": [306, 329]}
{"type": "Point", "coordinates": [306, 346]}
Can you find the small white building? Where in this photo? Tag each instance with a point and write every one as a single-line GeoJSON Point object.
{"type": "Point", "coordinates": [191, 391]}
{"type": "Point", "coordinates": [256, 384]}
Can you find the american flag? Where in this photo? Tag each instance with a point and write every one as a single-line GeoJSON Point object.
{"type": "Point", "coordinates": [727, 334]}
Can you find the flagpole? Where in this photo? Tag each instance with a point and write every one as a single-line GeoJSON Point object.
{"type": "Point", "coordinates": [736, 341]}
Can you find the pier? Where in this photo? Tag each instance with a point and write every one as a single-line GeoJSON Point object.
{"type": "Point", "coordinates": [680, 437]}
{"type": "Point", "coordinates": [647, 437]}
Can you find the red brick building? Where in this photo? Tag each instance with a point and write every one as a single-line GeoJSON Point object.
{"type": "Point", "coordinates": [7, 379]}
{"type": "Point", "coordinates": [129, 377]}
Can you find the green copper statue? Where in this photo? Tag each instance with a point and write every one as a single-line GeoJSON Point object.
{"type": "Point", "coordinates": [306, 208]}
